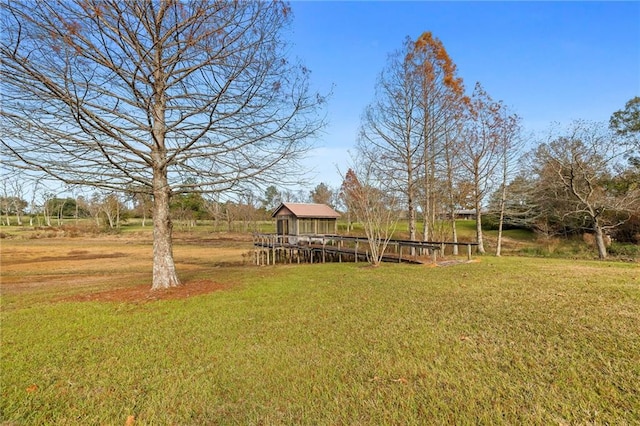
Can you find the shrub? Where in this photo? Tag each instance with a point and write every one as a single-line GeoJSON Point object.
{"type": "Point", "coordinates": [625, 250]}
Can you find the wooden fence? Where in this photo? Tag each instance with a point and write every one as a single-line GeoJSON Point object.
{"type": "Point", "coordinates": [272, 248]}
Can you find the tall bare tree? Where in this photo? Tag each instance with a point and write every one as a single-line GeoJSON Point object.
{"type": "Point", "coordinates": [453, 185]}
{"type": "Point", "coordinates": [166, 95]}
{"type": "Point", "coordinates": [440, 101]}
{"type": "Point", "coordinates": [403, 132]}
{"type": "Point", "coordinates": [390, 139]}
{"type": "Point", "coordinates": [481, 151]}
{"type": "Point", "coordinates": [510, 146]}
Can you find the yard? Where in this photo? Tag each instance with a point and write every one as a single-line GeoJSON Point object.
{"type": "Point", "coordinates": [512, 340]}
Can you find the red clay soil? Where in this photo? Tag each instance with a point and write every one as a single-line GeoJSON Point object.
{"type": "Point", "coordinates": [143, 293]}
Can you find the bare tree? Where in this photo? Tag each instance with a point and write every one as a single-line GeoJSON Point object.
{"type": "Point", "coordinates": [301, 195]}
{"type": "Point", "coordinates": [92, 205]}
{"type": "Point", "coordinates": [481, 150]}
{"type": "Point", "coordinates": [247, 211]}
{"type": "Point", "coordinates": [111, 207]}
{"type": "Point", "coordinates": [13, 191]}
{"type": "Point", "coordinates": [439, 108]}
{"type": "Point", "coordinates": [454, 186]}
{"type": "Point", "coordinates": [374, 207]}
{"type": "Point", "coordinates": [34, 210]}
{"type": "Point", "coordinates": [143, 204]}
{"type": "Point", "coordinates": [575, 170]}
{"type": "Point", "coordinates": [389, 138]}
{"type": "Point", "coordinates": [46, 199]}
{"type": "Point", "coordinates": [6, 203]}
{"type": "Point", "coordinates": [147, 94]}
{"type": "Point", "coordinates": [403, 132]}
{"type": "Point", "coordinates": [510, 150]}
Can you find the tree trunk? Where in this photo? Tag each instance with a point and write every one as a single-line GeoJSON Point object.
{"type": "Point", "coordinates": [164, 269]}
{"type": "Point", "coordinates": [426, 208]}
{"type": "Point", "coordinates": [412, 224]}
{"type": "Point", "coordinates": [47, 214]}
{"type": "Point", "coordinates": [499, 244]}
{"type": "Point", "coordinates": [61, 214]}
{"type": "Point", "coordinates": [425, 227]}
{"type": "Point", "coordinates": [455, 233]}
{"type": "Point", "coordinates": [412, 216]}
{"type": "Point", "coordinates": [109, 217]}
{"type": "Point", "coordinates": [476, 196]}
{"type": "Point", "coordinates": [602, 247]}
{"type": "Point", "coordinates": [503, 200]}
{"type": "Point", "coordinates": [479, 229]}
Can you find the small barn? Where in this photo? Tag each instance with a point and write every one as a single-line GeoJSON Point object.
{"type": "Point", "coordinates": [305, 219]}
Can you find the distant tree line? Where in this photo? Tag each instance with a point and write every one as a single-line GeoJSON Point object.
{"type": "Point", "coordinates": [109, 209]}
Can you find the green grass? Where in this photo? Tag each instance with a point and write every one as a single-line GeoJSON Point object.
{"type": "Point", "coordinates": [503, 341]}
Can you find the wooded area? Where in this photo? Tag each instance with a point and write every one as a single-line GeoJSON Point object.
{"type": "Point", "coordinates": [438, 150]}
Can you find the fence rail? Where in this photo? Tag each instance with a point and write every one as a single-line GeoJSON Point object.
{"type": "Point", "coordinates": [271, 248]}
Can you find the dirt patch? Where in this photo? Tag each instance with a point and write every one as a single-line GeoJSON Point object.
{"type": "Point", "coordinates": [143, 293]}
{"type": "Point", "coordinates": [79, 255]}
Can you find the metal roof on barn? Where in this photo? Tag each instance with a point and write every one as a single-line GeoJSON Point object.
{"type": "Point", "coordinates": [300, 210]}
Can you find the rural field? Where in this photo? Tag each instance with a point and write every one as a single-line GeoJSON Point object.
{"type": "Point", "coordinates": [511, 340]}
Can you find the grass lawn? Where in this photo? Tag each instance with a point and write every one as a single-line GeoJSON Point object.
{"type": "Point", "coordinates": [498, 341]}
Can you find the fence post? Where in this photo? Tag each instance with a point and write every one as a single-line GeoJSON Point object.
{"type": "Point", "coordinates": [273, 251]}
{"type": "Point", "coordinates": [468, 251]}
{"type": "Point", "coordinates": [324, 242]}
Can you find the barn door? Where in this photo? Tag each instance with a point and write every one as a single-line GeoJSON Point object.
{"type": "Point", "coordinates": [283, 227]}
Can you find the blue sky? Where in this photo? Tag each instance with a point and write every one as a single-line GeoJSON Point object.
{"type": "Point", "coordinates": [548, 61]}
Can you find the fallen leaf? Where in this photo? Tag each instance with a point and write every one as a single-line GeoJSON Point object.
{"type": "Point", "coordinates": [130, 421]}
{"type": "Point", "coordinates": [32, 388]}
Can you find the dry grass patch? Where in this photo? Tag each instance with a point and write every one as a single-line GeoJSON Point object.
{"type": "Point", "coordinates": [60, 267]}
{"type": "Point", "coordinates": [142, 293]}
